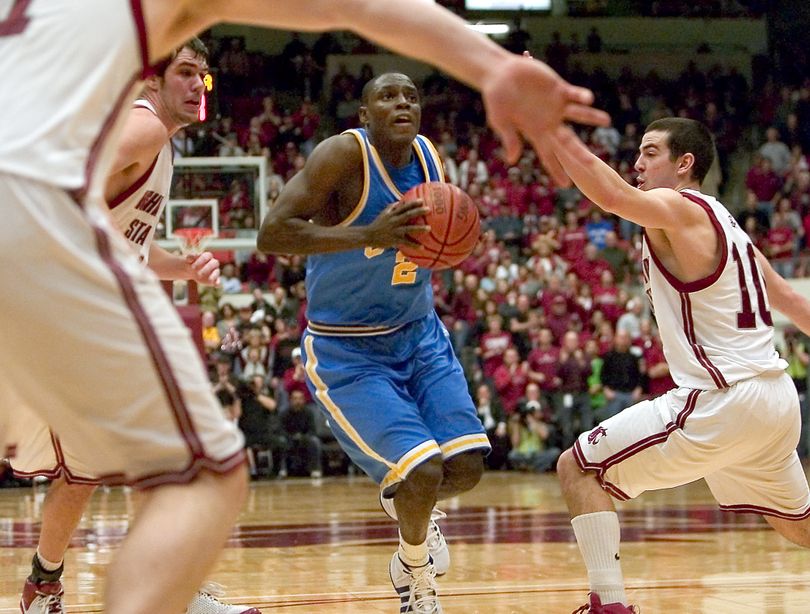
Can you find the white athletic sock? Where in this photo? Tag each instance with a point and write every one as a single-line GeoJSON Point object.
{"type": "Point", "coordinates": [598, 536]}
{"type": "Point", "coordinates": [46, 564]}
{"type": "Point", "coordinates": [413, 555]}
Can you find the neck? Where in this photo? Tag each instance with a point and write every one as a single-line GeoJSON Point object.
{"type": "Point", "coordinates": [171, 123]}
{"type": "Point", "coordinates": [688, 184]}
{"type": "Point", "coordinates": [393, 154]}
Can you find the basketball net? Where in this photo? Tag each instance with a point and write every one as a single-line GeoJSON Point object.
{"type": "Point", "coordinates": [193, 240]}
{"type": "Point", "coordinates": [192, 243]}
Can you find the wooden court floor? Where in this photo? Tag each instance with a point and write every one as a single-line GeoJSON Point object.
{"type": "Point", "coordinates": [316, 546]}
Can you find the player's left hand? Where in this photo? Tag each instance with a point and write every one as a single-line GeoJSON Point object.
{"type": "Point", "coordinates": [204, 268]}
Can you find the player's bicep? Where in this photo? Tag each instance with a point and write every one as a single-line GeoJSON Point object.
{"type": "Point", "coordinates": [309, 191]}
{"type": "Point", "coordinates": [660, 208]}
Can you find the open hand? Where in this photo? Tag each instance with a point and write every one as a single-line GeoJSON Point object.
{"type": "Point", "coordinates": [526, 98]}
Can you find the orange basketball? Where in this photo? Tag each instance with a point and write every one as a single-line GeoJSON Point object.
{"type": "Point", "coordinates": [454, 226]}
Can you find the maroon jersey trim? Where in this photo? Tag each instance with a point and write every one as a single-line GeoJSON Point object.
{"type": "Point", "coordinates": [767, 511]}
{"type": "Point", "coordinates": [59, 469]}
{"type": "Point", "coordinates": [697, 349]}
{"type": "Point", "coordinates": [134, 187]}
{"type": "Point", "coordinates": [92, 158]}
{"type": "Point", "coordinates": [698, 284]}
{"type": "Point", "coordinates": [143, 41]}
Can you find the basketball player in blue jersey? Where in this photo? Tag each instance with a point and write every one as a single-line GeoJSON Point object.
{"type": "Point", "coordinates": [378, 359]}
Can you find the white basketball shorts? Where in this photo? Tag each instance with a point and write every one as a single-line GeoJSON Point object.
{"type": "Point", "coordinates": [94, 348]}
{"type": "Point", "coordinates": [741, 440]}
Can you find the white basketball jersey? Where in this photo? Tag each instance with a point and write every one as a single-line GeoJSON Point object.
{"type": "Point", "coordinates": [59, 136]}
{"type": "Point", "coordinates": [137, 210]}
{"type": "Point", "coordinates": [717, 330]}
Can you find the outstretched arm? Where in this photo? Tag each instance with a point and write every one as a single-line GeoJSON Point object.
{"type": "Point", "coordinates": [783, 297]}
{"type": "Point", "coordinates": [522, 97]}
{"type": "Point", "coordinates": [661, 208]}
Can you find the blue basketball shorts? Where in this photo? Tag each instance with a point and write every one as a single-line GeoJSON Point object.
{"type": "Point", "coordinates": [394, 400]}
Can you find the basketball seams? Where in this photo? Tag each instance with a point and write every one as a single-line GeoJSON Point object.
{"type": "Point", "coordinates": [439, 248]}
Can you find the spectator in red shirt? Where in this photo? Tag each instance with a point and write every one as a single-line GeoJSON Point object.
{"type": "Point", "coordinates": [560, 320]}
{"type": "Point", "coordinates": [659, 380]}
{"type": "Point", "coordinates": [764, 182]}
{"type": "Point", "coordinates": [779, 244]}
{"type": "Point", "coordinates": [493, 344]}
{"type": "Point", "coordinates": [516, 192]}
{"type": "Point", "coordinates": [295, 378]}
{"type": "Point", "coordinates": [572, 238]}
{"type": "Point", "coordinates": [510, 380]}
{"type": "Point", "coordinates": [606, 297]}
{"type": "Point", "coordinates": [590, 266]}
{"type": "Point", "coordinates": [542, 362]}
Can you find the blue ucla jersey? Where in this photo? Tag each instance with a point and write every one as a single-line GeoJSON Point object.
{"type": "Point", "coordinates": [371, 290]}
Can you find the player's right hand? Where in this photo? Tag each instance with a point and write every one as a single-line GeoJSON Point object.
{"type": "Point", "coordinates": [395, 225]}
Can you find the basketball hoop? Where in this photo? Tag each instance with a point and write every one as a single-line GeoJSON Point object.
{"type": "Point", "coordinates": [192, 243]}
{"type": "Point", "coordinates": [193, 240]}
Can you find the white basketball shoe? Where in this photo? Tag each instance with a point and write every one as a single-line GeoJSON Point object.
{"type": "Point", "coordinates": [416, 587]}
{"type": "Point", "coordinates": [206, 602]}
{"type": "Point", "coordinates": [437, 545]}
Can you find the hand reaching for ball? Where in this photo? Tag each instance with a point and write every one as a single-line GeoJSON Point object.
{"type": "Point", "coordinates": [395, 226]}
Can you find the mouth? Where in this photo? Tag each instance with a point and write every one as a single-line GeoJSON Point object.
{"type": "Point", "coordinates": [403, 120]}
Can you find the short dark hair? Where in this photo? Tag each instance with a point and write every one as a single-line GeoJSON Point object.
{"type": "Point", "coordinates": [368, 88]}
{"type": "Point", "coordinates": [195, 44]}
{"type": "Point", "coordinates": [688, 136]}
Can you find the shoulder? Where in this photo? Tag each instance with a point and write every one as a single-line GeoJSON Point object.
{"type": "Point", "coordinates": [143, 137]}
{"type": "Point", "coordinates": [147, 126]}
{"type": "Point", "coordinates": [341, 151]}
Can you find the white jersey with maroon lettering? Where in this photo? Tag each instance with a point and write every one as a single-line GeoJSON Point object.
{"type": "Point", "coordinates": [717, 330]}
{"type": "Point", "coordinates": [92, 346]}
{"type": "Point", "coordinates": [136, 211]}
{"type": "Point", "coordinates": [58, 136]}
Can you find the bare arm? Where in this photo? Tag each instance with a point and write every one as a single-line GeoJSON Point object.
{"type": "Point", "coordinates": [287, 229]}
{"type": "Point", "coordinates": [660, 208]}
{"type": "Point", "coordinates": [202, 268]}
{"type": "Point", "coordinates": [142, 138]}
{"type": "Point", "coordinates": [522, 96]}
{"type": "Point", "coordinates": [783, 297]}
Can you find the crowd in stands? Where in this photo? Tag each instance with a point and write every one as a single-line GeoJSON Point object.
{"type": "Point", "coordinates": [546, 315]}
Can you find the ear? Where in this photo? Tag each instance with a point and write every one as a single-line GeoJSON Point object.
{"type": "Point", "coordinates": [152, 83]}
{"type": "Point", "coordinates": [362, 115]}
{"type": "Point", "coordinates": [686, 163]}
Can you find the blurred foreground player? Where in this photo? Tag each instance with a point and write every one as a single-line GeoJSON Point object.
{"type": "Point", "coordinates": [137, 191]}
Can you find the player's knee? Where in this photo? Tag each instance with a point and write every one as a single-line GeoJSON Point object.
{"type": "Point", "coordinates": [464, 470]}
{"type": "Point", "coordinates": [567, 466]}
{"type": "Point", "coordinates": [428, 475]}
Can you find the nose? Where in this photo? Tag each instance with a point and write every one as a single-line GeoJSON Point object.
{"type": "Point", "coordinates": [639, 165]}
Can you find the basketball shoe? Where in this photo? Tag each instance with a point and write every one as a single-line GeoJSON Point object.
{"type": "Point", "coordinates": [437, 545]}
{"type": "Point", "coordinates": [206, 602]}
{"type": "Point", "coordinates": [42, 598]}
{"type": "Point", "coordinates": [416, 587]}
{"type": "Point", "coordinates": [594, 606]}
